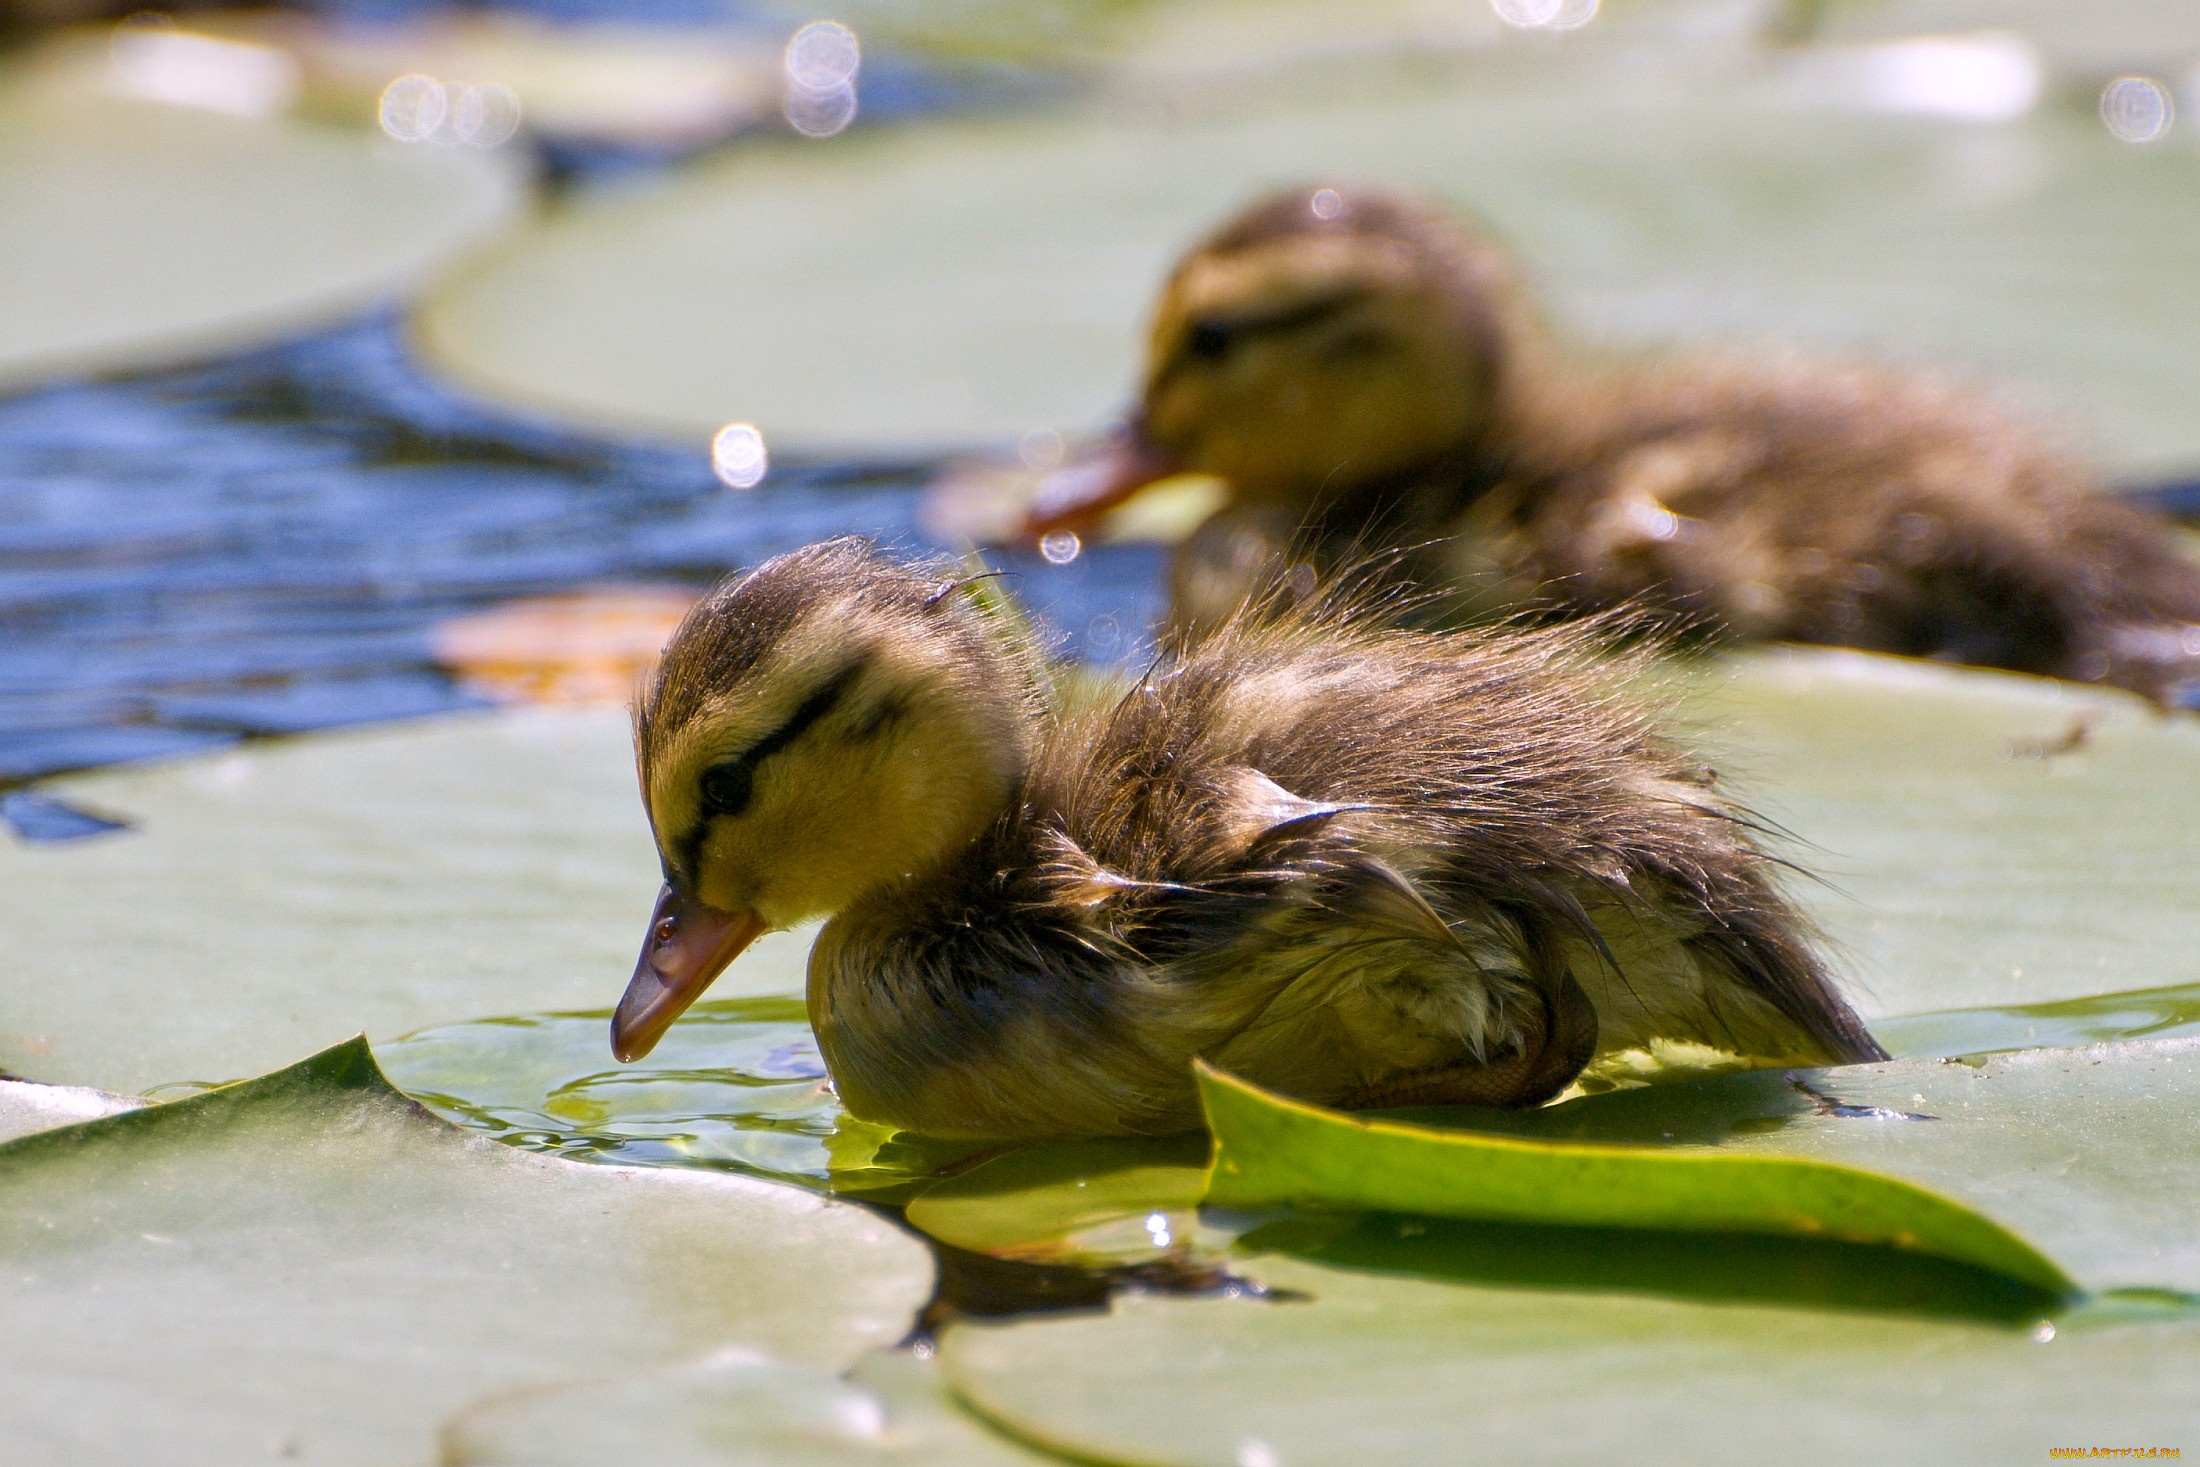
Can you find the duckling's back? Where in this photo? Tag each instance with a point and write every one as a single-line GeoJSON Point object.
{"type": "Point", "coordinates": [1363, 866]}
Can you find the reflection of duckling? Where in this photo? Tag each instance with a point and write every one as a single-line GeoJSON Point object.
{"type": "Point", "coordinates": [1363, 374]}
{"type": "Point", "coordinates": [1367, 867]}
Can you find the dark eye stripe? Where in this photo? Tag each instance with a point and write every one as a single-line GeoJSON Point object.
{"type": "Point", "coordinates": [735, 777]}
{"type": "Point", "coordinates": [1214, 336]}
{"type": "Point", "coordinates": [729, 784]}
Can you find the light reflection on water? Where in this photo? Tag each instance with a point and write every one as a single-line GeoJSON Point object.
{"type": "Point", "coordinates": [737, 1085]}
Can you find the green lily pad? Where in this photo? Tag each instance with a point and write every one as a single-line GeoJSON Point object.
{"type": "Point", "coordinates": [281, 897]}
{"type": "Point", "coordinates": [2087, 1153]}
{"type": "Point", "coordinates": [1272, 1152]}
{"type": "Point", "coordinates": [133, 233]}
{"type": "Point", "coordinates": [27, 1107]}
{"type": "Point", "coordinates": [1983, 840]}
{"type": "Point", "coordinates": [733, 1408]}
{"type": "Point", "coordinates": [309, 1265]}
{"type": "Point", "coordinates": [969, 280]}
{"type": "Point", "coordinates": [1368, 1364]}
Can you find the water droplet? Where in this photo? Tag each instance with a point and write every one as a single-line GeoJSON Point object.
{"type": "Point", "coordinates": [486, 116]}
{"type": "Point", "coordinates": [737, 456]}
{"type": "Point", "coordinates": [1157, 1228]}
{"type": "Point", "coordinates": [413, 108]}
{"type": "Point", "coordinates": [823, 55]}
{"type": "Point", "coordinates": [1040, 450]}
{"type": "Point", "coordinates": [2137, 109]}
{"type": "Point", "coordinates": [820, 114]}
{"type": "Point", "coordinates": [1061, 547]}
{"type": "Point", "coordinates": [822, 60]}
{"type": "Point", "coordinates": [2042, 1331]}
{"type": "Point", "coordinates": [1526, 15]}
{"type": "Point", "coordinates": [1326, 203]}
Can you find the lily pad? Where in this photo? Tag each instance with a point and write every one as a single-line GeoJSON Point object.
{"type": "Point", "coordinates": [1272, 1152]}
{"type": "Point", "coordinates": [134, 232]}
{"type": "Point", "coordinates": [1370, 1364]}
{"type": "Point", "coordinates": [733, 1408]}
{"type": "Point", "coordinates": [283, 896]}
{"type": "Point", "coordinates": [2087, 1153]}
{"type": "Point", "coordinates": [308, 1265]}
{"type": "Point", "coordinates": [1981, 840]}
{"type": "Point", "coordinates": [970, 280]}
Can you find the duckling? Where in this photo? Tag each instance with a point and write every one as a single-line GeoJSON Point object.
{"type": "Point", "coordinates": [1363, 865]}
{"type": "Point", "coordinates": [1365, 373]}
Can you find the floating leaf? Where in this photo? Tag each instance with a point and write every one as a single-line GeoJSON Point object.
{"type": "Point", "coordinates": [2086, 1152]}
{"type": "Point", "coordinates": [969, 280]}
{"type": "Point", "coordinates": [281, 897]}
{"type": "Point", "coordinates": [1273, 1152]}
{"type": "Point", "coordinates": [1375, 1363]}
{"type": "Point", "coordinates": [1983, 839]}
{"type": "Point", "coordinates": [135, 232]}
{"type": "Point", "coordinates": [732, 1408]}
{"type": "Point", "coordinates": [309, 1265]}
{"type": "Point", "coordinates": [588, 646]}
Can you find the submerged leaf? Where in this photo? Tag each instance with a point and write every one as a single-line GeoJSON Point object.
{"type": "Point", "coordinates": [1108, 1201]}
{"type": "Point", "coordinates": [308, 1264]}
{"type": "Point", "coordinates": [1271, 1152]}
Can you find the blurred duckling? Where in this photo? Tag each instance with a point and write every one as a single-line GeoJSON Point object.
{"type": "Point", "coordinates": [1363, 373]}
{"type": "Point", "coordinates": [1368, 867]}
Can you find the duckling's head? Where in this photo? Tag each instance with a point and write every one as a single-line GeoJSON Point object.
{"type": "Point", "coordinates": [1326, 337]}
{"type": "Point", "coordinates": [820, 727]}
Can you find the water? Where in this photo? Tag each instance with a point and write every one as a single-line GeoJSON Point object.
{"type": "Point", "coordinates": [263, 545]}
{"type": "Point", "coordinates": [737, 1085]}
{"type": "Point", "coordinates": [2152, 1013]}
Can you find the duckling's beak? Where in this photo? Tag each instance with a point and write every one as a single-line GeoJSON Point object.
{"type": "Point", "coordinates": [689, 944]}
{"type": "Point", "coordinates": [1077, 495]}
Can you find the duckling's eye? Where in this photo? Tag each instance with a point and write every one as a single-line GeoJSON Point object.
{"type": "Point", "coordinates": [1208, 339]}
{"type": "Point", "coordinates": [727, 788]}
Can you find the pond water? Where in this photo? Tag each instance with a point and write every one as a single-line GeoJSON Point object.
{"type": "Point", "coordinates": [265, 544]}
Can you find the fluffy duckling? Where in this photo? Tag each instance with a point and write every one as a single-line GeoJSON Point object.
{"type": "Point", "coordinates": [1363, 373]}
{"type": "Point", "coordinates": [1365, 866]}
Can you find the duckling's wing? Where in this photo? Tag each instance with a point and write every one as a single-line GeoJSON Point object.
{"type": "Point", "coordinates": [1344, 982]}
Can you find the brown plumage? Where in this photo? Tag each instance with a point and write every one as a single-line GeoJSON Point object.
{"type": "Point", "coordinates": [1361, 865]}
{"type": "Point", "coordinates": [1368, 376]}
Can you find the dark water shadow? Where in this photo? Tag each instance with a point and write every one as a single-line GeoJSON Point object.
{"type": "Point", "coordinates": [1724, 1268]}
